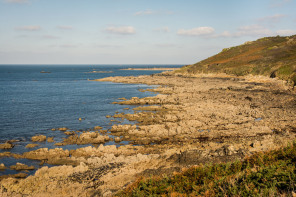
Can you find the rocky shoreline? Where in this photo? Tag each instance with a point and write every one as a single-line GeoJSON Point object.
{"type": "Point", "coordinates": [193, 120]}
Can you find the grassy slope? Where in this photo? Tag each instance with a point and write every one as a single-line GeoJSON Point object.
{"type": "Point", "coordinates": [263, 174]}
{"type": "Point", "coordinates": [270, 56]}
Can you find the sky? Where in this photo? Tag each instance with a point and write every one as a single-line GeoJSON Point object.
{"type": "Point", "coordinates": [135, 31]}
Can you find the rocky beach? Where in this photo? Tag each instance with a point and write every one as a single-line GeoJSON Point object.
{"type": "Point", "coordinates": [147, 98]}
{"type": "Point", "coordinates": [194, 119]}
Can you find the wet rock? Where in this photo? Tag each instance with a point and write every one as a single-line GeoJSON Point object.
{"type": "Point", "coordinates": [9, 154]}
{"type": "Point", "coordinates": [31, 145]}
{"type": "Point", "coordinates": [6, 146]}
{"type": "Point", "coordinates": [119, 115]}
{"type": "Point", "coordinates": [63, 129]}
{"type": "Point", "coordinates": [123, 99]}
{"type": "Point", "coordinates": [12, 141]}
{"type": "Point", "coordinates": [2, 166]}
{"type": "Point", "coordinates": [18, 176]}
{"type": "Point", "coordinates": [38, 138]}
{"type": "Point", "coordinates": [50, 139]}
{"type": "Point", "coordinates": [60, 144]}
{"type": "Point", "coordinates": [20, 166]}
{"type": "Point", "coordinates": [5, 154]}
{"type": "Point", "coordinates": [69, 133]}
{"type": "Point", "coordinates": [117, 139]}
{"type": "Point", "coordinates": [104, 131]}
{"type": "Point", "coordinates": [97, 128]}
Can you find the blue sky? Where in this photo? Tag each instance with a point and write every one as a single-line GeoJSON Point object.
{"type": "Point", "coordinates": [135, 31]}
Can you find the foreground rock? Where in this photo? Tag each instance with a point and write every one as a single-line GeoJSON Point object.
{"type": "Point", "coordinates": [47, 182]}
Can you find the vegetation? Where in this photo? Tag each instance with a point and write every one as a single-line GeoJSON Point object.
{"type": "Point", "coordinates": [271, 173]}
{"type": "Point", "coordinates": [270, 56]}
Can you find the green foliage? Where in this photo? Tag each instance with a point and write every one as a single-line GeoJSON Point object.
{"type": "Point", "coordinates": [263, 174]}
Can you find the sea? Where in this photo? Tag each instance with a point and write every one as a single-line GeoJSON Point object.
{"type": "Point", "coordinates": [36, 98]}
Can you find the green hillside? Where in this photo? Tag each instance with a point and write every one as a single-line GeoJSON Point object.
{"type": "Point", "coordinates": [270, 56]}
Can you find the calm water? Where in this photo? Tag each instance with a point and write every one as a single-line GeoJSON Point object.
{"type": "Point", "coordinates": [32, 102]}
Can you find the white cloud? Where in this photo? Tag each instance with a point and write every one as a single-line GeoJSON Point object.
{"type": "Point", "coordinates": [29, 28]}
{"type": "Point", "coordinates": [68, 46]}
{"type": "Point", "coordinates": [123, 30]}
{"type": "Point", "coordinates": [16, 1]}
{"type": "Point", "coordinates": [65, 27]}
{"type": "Point", "coordinates": [108, 46]}
{"type": "Point", "coordinates": [50, 37]}
{"type": "Point", "coordinates": [169, 45]}
{"type": "Point", "coordinates": [273, 18]}
{"type": "Point", "coordinates": [286, 32]}
{"type": "Point", "coordinates": [198, 31]}
{"type": "Point", "coordinates": [63, 46]}
{"type": "Point", "coordinates": [145, 12]}
{"type": "Point", "coordinates": [163, 29]}
{"type": "Point", "coordinates": [151, 12]}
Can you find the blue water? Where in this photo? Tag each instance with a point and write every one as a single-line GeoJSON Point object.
{"type": "Point", "coordinates": [33, 103]}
